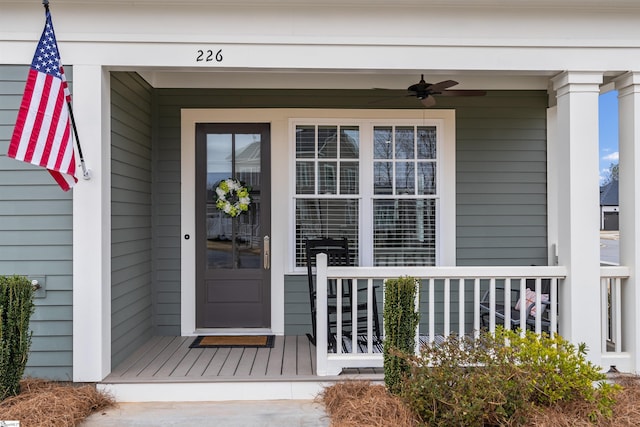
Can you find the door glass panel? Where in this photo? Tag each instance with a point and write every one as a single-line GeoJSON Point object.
{"type": "Point", "coordinates": [233, 242]}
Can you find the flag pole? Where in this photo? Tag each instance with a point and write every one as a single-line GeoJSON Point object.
{"type": "Point", "coordinates": [86, 173]}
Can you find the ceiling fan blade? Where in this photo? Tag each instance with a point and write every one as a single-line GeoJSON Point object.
{"type": "Point", "coordinates": [463, 92]}
{"type": "Point", "coordinates": [437, 87]}
{"type": "Point", "coordinates": [429, 101]}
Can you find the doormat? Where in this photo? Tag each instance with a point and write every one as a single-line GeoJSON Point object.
{"type": "Point", "coordinates": [233, 341]}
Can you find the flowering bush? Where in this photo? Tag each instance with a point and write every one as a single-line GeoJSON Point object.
{"type": "Point", "coordinates": [232, 197]}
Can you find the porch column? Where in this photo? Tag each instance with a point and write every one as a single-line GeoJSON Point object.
{"type": "Point", "coordinates": [578, 205]}
{"type": "Point", "coordinates": [628, 86]}
{"type": "Point", "coordinates": [92, 228]}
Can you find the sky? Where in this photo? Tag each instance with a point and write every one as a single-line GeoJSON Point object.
{"type": "Point", "coordinates": [608, 132]}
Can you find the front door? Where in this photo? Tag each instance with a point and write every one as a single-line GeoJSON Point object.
{"type": "Point", "coordinates": [232, 265]}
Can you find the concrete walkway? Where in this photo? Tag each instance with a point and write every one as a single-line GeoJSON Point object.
{"type": "Point", "coordinates": [294, 413]}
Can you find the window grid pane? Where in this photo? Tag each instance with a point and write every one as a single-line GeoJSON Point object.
{"type": "Point", "coordinates": [325, 217]}
{"type": "Point", "coordinates": [404, 232]}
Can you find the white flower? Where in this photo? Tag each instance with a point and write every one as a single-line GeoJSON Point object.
{"type": "Point", "coordinates": [233, 185]}
{"type": "Point", "coordinates": [220, 192]}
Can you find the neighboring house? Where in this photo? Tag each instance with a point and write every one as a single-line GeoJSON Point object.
{"type": "Point", "coordinates": [166, 93]}
{"type": "Point", "coordinates": [609, 206]}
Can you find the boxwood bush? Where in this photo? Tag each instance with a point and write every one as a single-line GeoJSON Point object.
{"type": "Point", "coordinates": [16, 308]}
{"type": "Point", "coordinates": [400, 323]}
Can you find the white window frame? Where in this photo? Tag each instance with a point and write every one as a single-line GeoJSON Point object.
{"type": "Point", "coordinates": [444, 122]}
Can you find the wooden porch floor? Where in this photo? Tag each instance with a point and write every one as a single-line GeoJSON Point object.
{"type": "Point", "coordinates": [169, 359]}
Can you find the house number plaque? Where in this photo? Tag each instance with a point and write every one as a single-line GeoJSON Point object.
{"type": "Point", "coordinates": [208, 55]}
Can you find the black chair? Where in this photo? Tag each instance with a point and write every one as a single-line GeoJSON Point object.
{"type": "Point", "coordinates": [528, 306]}
{"type": "Point", "coordinates": [337, 251]}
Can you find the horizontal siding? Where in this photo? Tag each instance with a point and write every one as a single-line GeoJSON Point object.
{"type": "Point", "coordinates": [131, 225]}
{"type": "Point", "coordinates": [36, 239]}
{"type": "Point", "coordinates": [501, 180]}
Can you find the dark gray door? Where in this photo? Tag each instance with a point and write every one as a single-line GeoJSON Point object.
{"type": "Point", "coordinates": [232, 266]}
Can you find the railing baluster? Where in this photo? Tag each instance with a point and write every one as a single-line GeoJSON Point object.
{"type": "Point", "coordinates": [507, 303]}
{"type": "Point", "coordinates": [492, 305]}
{"type": "Point", "coordinates": [523, 305]}
{"type": "Point", "coordinates": [553, 301]}
{"type": "Point", "coordinates": [461, 308]}
{"type": "Point", "coordinates": [369, 315]}
{"type": "Point", "coordinates": [432, 309]}
{"type": "Point", "coordinates": [617, 313]}
{"type": "Point", "coordinates": [476, 307]}
{"type": "Point", "coordinates": [538, 316]}
{"type": "Point", "coordinates": [447, 307]}
{"type": "Point", "coordinates": [339, 316]}
{"type": "Point", "coordinates": [606, 311]}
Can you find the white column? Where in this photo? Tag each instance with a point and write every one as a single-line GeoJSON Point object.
{"type": "Point", "coordinates": [578, 205]}
{"type": "Point", "coordinates": [92, 228]}
{"type": "Point", "coordinates": [628, 87]}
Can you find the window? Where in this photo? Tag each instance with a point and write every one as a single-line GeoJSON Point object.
{"type": "Point", "coordinates": [375, 183]}
{"type": "Point", "coordinates": [404, 188]}
{"type": "Point", "coordinates": [327, 179]}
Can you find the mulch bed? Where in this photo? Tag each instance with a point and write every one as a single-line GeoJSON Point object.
{"type": "Point", "coordinates": [50, 403]}
{"type": "Point", "coordinates": [361, 403]}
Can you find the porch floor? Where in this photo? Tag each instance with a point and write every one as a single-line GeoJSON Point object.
{"type": "Point", "coordinates": [166, 369]}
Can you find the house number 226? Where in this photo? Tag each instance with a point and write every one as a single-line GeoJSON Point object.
{"type": "Point", "coordinates": [209, 55]}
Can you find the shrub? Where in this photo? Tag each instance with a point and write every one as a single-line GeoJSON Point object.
{"type": "Point", "coordinates": [481, 382]}
{"type": "Point", "coordinates": [400, 323]}
{"type": "Point", "coordinates": [16, 307]}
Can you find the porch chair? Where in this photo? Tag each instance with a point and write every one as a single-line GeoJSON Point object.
{"type": "Point", "coordinates": [337, 251]}
{"type": "Point", "coordinates": [517, 305]}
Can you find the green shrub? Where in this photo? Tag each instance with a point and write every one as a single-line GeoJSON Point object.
{"type": "Point", "coordinates": [16, 307]}
{"type": "Point", "coordinates": [485, 382]}
{"type": "Point", "coordinates": [400, 323]}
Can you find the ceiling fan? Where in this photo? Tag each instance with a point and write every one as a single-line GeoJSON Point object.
{"type": "Point", "coordinates": [425, 91]}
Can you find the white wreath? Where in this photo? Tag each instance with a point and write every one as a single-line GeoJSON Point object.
{"type": "Point", "coordinates": [233, 197]}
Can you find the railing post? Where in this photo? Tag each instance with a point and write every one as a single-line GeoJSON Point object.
{"type": "Point", "coordinates": [322, 339]}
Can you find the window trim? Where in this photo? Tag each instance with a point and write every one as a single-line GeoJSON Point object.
{"type": "Point", "coordinates": [444, 121]}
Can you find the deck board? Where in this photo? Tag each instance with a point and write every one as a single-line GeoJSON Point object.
{"type": "Point", "coordinates": [274, 367]}
{"type": "Point", "coordinates": [246, 362]}
{"type": "Point", "coordinates": [180, 353]}
{"type": "Point", "coordinates": [261, 362]}
{"type": "Point", "coordinates": [231, 363]}
{"type": "Point", "coordinates": [217, 362]}
{"type": "Point", "coordinates": [136, 366]}
{"type": "Point", "coordinates": [290, 357]}
{"type": "Point", "coordinates": [169, 359]}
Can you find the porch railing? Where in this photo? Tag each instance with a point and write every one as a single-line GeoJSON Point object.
{"type": "Point", "coordinates": [452, 294]}
{"type": "Point", "coordinates": [612, 280]}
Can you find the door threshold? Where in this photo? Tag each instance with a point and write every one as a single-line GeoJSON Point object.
{"type": "Point", "coordinates": [233, 331]}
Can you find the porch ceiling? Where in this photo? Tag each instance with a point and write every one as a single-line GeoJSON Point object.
{"type": "Point", "coordinates": [528, 4]}
{"type": "Point", "coordinates": [339, 79]}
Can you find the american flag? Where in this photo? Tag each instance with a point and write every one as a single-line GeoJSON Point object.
{"type": "Point", "coordinates": [42, 135]}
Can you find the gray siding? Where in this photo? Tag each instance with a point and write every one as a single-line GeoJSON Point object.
{"type": "Point", "coordinates": [502, 180]}
{"type": "Point", "coordinates": [131, 200]}
{"type": "Point", "coordinates": [36, 239]}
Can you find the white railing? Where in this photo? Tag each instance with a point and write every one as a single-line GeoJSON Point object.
{"type": "Point", "coordinates": [496, 282]}
{"type": "Point", "coordinates": [612, 279]}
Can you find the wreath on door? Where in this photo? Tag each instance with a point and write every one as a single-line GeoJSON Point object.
{"type": "Point", "coordinates": [232, 197]}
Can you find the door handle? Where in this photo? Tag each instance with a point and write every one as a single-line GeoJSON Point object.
{"type": "Point", "coordinates": [266, 261]}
